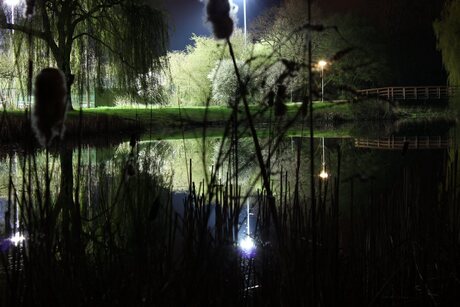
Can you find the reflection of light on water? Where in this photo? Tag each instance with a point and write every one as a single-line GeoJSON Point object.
{"type": "Point", "coordinates": [17, 238]}
{"type": "Point", "coordinates": [247, 245]}
{"type": "Point", "coordinates": [252, 288]}
{"type": "Point", "coordinates": [323, 175]}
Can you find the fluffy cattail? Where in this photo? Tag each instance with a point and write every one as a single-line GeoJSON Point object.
{"type": "Point", "coordinates": [218, 12]}
{"type": "Point", "coordinates": [50, 106]}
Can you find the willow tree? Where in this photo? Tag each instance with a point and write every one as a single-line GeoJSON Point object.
{"type": "Point", "coordinates": [447, 30]}
{"type": "Point", "coordinates": [130, 36]}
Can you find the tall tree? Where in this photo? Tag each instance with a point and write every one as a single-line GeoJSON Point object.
{"type": "Point", "coordinates": [405, 26]}
{"type": "Point", "coordinates": [355, 52]}
{"type": "Point", "coordinates": [447, 31]}
{"type": "Point", "coordinates": [352, 47]}
{"type": "Point", "coordinates": [280, 27]}
{"type": "Point", "coordinates": [129, 34]}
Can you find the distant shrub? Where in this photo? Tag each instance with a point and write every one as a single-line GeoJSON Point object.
{"type": "Point", "coordinates": [127, 101]}
{"type": "Point", "coordinates": [188, 78]}
{"type": "Point", "coordinates": [370, 109]}
{"type": "Point", "coordinates": [276, 82]}
{"type": "Point", "coordinates": [225, 86]}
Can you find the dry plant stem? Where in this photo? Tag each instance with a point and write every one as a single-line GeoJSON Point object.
{"type": "Point", "coordinates": [312, 160]}
{"type": "Point", "coordinates": [258, 149]}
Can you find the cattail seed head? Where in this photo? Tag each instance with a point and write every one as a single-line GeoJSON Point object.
{"type": "Point", "coordinates": [50, 105]}
{"type": "Point", "coordinates": [218, 12]}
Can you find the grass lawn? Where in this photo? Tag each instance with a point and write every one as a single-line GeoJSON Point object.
{"type": "Point", "coordinates": [174, 116]}
{"type": "Point", "coordinates": [188, 121]}
{"type": "Point", "coordinates": [170, 120]}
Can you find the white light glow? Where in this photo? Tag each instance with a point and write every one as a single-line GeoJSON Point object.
{"type": "Point", "coordinates": [17, 238]}
{"type": "Point", "coordinates": [12, 2]}
{"type": "Point", "coordinates": [247, 245]}
{"type": "Point", "coordinates": [322, 64]}
{"type": "Point", "coordinates": [324, 175]}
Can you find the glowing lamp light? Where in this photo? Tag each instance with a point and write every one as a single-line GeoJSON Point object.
{"type": "Point", "coordinates": [17, 238]}
{"type": "Point", "coordinates": [322, 64]}
{"type": "Point", "coordinates": [12, 2]}
{"type": "Point", "coordinates": [247, 245]}
{"type": "Point", "coordinates": [323, 175]}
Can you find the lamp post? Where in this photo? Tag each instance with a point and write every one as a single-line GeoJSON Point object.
{"type": "Point", "coordinates": [322, 64]}
{"type": "Point", "coordinates": [245, 24]}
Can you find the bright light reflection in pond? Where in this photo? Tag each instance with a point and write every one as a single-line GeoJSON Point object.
{"type": "Point", "coordinates": [247, 246]}
{"type": "Point", "coordinates": [17, 238]}
{"type": "Point", "coordinates": [324, 175]}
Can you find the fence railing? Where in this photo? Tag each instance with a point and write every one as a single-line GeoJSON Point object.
{"type": "Point", "coordinates": [411, 92]}
{"type": "Point", "coordinates": [398, 143]}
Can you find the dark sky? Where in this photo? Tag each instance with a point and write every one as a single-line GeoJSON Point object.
{"type": "Point", "coordinates": [187, 17]}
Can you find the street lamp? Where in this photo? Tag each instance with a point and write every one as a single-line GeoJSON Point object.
{"type": "Point", "coordinates": [323, 175]}
{"type": "Point", "coordinates": [322, 64]}
{"type": "Point", "coordinates": [245, 24]}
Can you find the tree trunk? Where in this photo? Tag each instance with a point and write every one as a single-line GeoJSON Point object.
{"type": "Point", "coordinates": [72, 226]}
{"type": "Point", "coordinates": [63, 61]}
{"type": "Point", "coordinates": [69, 79]}
{"type": "Point", "coordinates": [65, 200]}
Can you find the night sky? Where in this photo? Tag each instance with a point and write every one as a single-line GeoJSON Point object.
{"type": "Point", "coordinates": [187, 17]}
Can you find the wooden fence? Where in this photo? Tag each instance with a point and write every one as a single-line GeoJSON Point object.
{"type": "Point", "coordinates": [398, 143]}
{"type": "Point", "coordinates": [411, 92]}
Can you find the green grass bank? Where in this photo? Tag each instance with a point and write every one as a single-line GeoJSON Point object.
{"type": "Point", "coordinates": [172, 120]}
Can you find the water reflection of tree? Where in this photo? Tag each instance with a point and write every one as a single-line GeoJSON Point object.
{"type": "Point", "coordinates": [247, 165]}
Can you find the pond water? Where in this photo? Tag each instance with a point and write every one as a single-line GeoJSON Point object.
{"type": "Point", "coordinates": [376, 159]}
{"type": "Point", "coordinates": [376, 199]}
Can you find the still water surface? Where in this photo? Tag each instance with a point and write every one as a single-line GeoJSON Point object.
{"type": "Point", "coordinates": [375, 182]}
{"type": "Point", "coordinates": [376, 162]}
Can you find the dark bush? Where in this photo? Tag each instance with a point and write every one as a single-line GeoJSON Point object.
{"type": "Point", "coordinates": [371, 109]}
